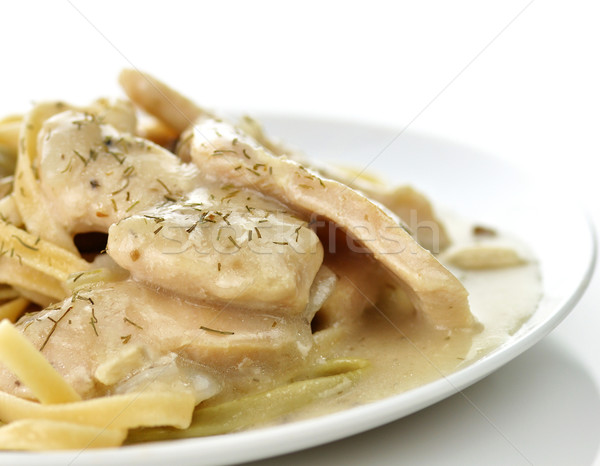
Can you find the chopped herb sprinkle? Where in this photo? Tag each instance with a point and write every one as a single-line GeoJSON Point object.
{"type": "Point", "coordinates": [233, 241]}
{"type": "Point", "coordinates": [128, 321]}
{"type": "Point", "coordinates": [221, 332]}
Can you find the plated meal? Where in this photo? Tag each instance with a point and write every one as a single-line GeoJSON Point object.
{"type": "Point", "coordinates": [168, 273]}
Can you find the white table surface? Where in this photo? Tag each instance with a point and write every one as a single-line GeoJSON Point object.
{"type": "Point", "coordinates": [515, 79]}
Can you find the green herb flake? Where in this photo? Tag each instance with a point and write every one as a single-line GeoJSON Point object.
{"type": "Point", "coordinates": [131, 322]}
{"type": "Point", "coordinates": [220, 332]}
{"type": "Point", "coordinates": [233, 241]}
{"type": "Point", "coordinates": [28, 246]}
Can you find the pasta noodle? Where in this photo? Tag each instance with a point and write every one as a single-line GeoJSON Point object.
{"type": "Point", "coordinates": [115, 412]}
{"type": "Point", "coordinates": [245, 412]}
{"type": "Point", "coordinates": [13, 309]}
{"type": "Point", "coordinates": [182, 276]}
{"type": "Point", "coordinates": [39, 435]}
{"type": "Point", "coordinates": [23, 359]}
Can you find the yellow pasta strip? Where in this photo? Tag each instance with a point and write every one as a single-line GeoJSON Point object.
{"type": "Point", "coordinates": [13, 309]}
{"type": "Point", "coordinates": [158, 99]}
{"type": "Point", "coordinates": [116, 412]}
{"type": "Point", "coordinates": [30, 366]}
{"type": "Point", "coordinates": [9, 211]}
{"type": "Point", "coordinates": [9, 132]}
{"type": "Point", "coordinates": [38, 435]}
{"type": "Point", "coordinates": [257, 409]}
{"type": "Point", "coordinates": [7, 292]}
{"type": "Point", "coordinates": [39, 254]}
{"type": "Point", "coordinates": [11, 118]}
{"type": "Point", "coordinates": [26, 278]}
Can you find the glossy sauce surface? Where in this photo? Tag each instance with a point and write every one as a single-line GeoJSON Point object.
{"type": "Point", "coordinates": [405, 352]}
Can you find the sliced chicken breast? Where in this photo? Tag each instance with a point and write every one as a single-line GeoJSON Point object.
{"type": "Point", "coordinates": [222, 244]}
{"type": "Point", "coordinates": [229, 155]}
{"type": "Point", "coordinates": [102, 337]}
{"type": "Point", "coordinates": [92, 174]}
{"type": "Point", "coordinates": [219, 149]}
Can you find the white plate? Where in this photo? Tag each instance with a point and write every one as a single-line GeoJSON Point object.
{"type": "Point", "coordinates": [476, 186]}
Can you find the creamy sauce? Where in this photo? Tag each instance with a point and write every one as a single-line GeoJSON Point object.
{"type": "Point", "coordinates": [405, 352]}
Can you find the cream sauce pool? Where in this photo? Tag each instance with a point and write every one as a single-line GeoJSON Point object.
{"type": "Point", "coordinates": [405, 352]}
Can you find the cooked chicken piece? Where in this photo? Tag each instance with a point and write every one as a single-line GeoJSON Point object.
{"type": "Point", "coordinates": [222, 244]}
{"type": "Point", "coordinates": [119, 330]}
{"type": "Point", "coordinates": [92, 175]}
{"type": "Point", "coordinates": [227, 154]}
{"type": "Point", "coordinates": [407, 203]}
{"type": "Point", "coordinates": [219, 149]}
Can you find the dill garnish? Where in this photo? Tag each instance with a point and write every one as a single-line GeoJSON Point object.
{"type": "Point", "coordinates": [220, 332]}
{"type": "Point", "coordinates": [116, 157]}
{"type": "Point", "coordinates": [125, 339]}
{"type": "Point", "coordinates": [93, 322]}
{"type": "Point", "coordinates": [222, 151]}
{"type": "Point", "coordinates": [282, 243]}
{"type": "Point", "coordinates": [81, 157]}
{"type": "Point", "coordinates": [123, 188]}
{"type": "Point", "coordinates": [33, 248]}
{"type": "Point", "coordinates": [230, 195]}
{"type": "Point", "coordinates": [156, 219]}
{"type": "Point", "coordinates": [233, 241]}
{"type": "Point", "coordinates": [131, 322]}
{"type": "Point", "coordinates": [245, 153]}
{"type": "Point", "coordinates": [68, 167]}
{"type": "Point", "coordinates": [257, 232]}
{"type": "Point", "coordinates": [159, 181]}
{"type": "Point", "coordinates": [192, 228]}
{"type": "Point", "coordinates": [132, 206]}
{"type": "Point", "coordinates": [56, 322]}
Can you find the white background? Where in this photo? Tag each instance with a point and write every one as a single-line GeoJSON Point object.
{"type": "Point", "coordinates": [515, 79]}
